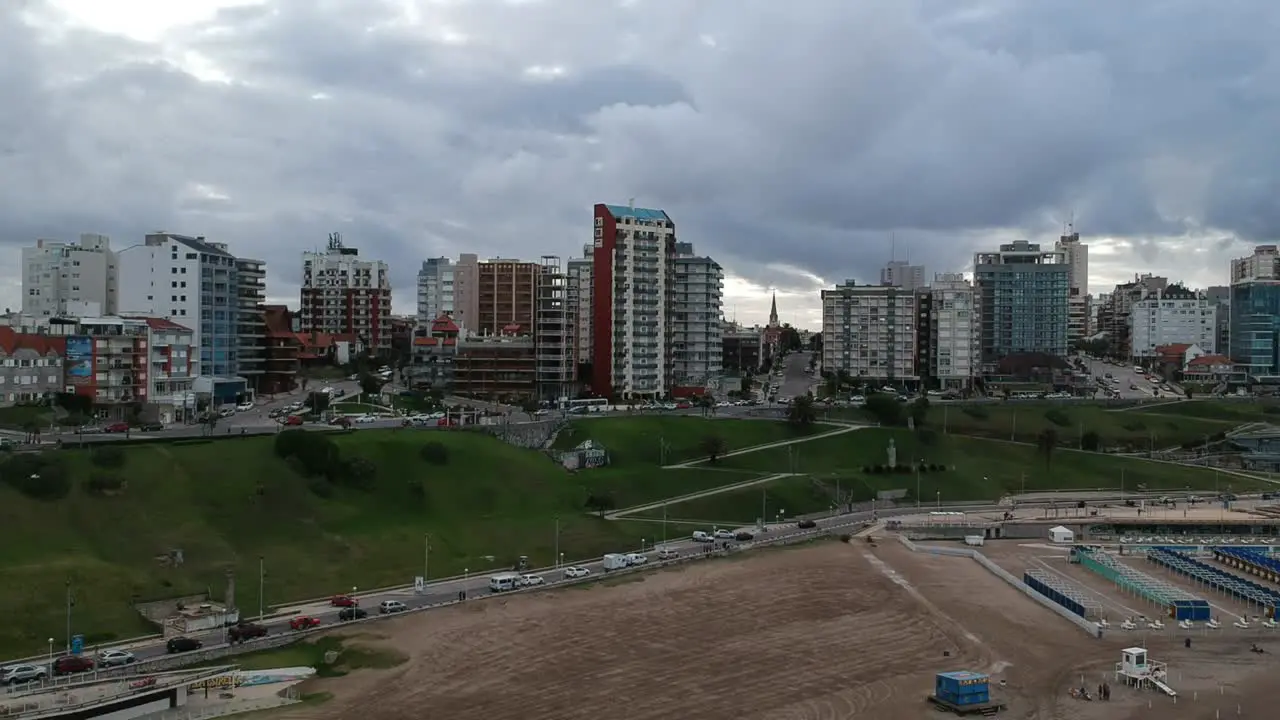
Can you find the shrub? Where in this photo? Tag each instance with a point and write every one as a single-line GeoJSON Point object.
{"type": "Point", "coordinates": [845, 537]}
{"type": "Point", "coordinates": [1058, 417]}
{"type": "Point", "coordinates": [320, 487]}
{"type": "Point", "coordinates": [885, 408]}
{"type": "Point", "coordinates": [100, 483]}
{"type": "Point", "coordinates": [1090, 441]}
{"type": "Point", "coordinates": [1134, 426]}
{"type": "Point", "coordinates": [435, 453]}
{"type": "Point", "coordinates": [36, 475]}
{"type": "Point", "coordinates": [977, 412]}
{"type": "Point", "coordinates": [315, 454]}
{"type": "Point", "coordinates": [357, 472]}
{"type": "Point", "coordinates": [110, 457]}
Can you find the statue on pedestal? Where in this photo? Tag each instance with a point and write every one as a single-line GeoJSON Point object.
{"type": "Point", "coordinates": [893, 454]}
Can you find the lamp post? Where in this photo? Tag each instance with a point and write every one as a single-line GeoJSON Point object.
{"type": "Point", "coordinates": [426, 558]}
{"type": "Point", "coordinates": [262, 583]}
{"type": "Point", "coordinates": [68, 615]}
{"type": "Point", "coordinates": [50, 654]}
{"type": "Point", "coordinates": [557, 541]}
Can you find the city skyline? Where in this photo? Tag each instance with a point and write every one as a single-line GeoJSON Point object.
{"type": "Point", "coordinates": [264, 157]}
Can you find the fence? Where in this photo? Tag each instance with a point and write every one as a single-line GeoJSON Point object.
{"type": "Point", "coordinates": [1089, 627]}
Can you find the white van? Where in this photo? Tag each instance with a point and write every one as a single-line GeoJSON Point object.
{"type": "Point", "coordinates": [504, 582]}
{"type": "Point", "coordinates": [636, 559]}
{"type": "Point", "coordinates": [701, 536]}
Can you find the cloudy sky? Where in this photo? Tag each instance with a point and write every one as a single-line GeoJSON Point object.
{"type": "Point", "coordinates": [789, 140]}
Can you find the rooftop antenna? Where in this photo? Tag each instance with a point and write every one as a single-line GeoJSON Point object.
{"type": "Point", "coordinates": [893, 246]}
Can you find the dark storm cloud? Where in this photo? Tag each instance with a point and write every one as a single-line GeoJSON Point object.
{"type": "Point", "coordinates": [779, 136]}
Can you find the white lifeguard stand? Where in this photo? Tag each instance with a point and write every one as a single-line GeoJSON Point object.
{"type": "Point", "coordinates": [1141, 671]}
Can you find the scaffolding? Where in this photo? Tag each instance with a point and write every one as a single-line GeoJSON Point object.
{"type": "Point", "coordinates": [553, 349]}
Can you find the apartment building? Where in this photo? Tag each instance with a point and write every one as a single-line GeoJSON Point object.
{"type": "Point", "coordinates": [1255, 312]}
{"type": "Point", "coordinates": [1022, 296]}
{"type": "Point", "coordinates": [195, 283]}
{"type": "Point", "coordinates": [171, 370]}
{"type": "Point", "coordinates": [342, 294]}
{"type": "Point", "coordinates": [108, 361]}
{"type": "Point", "coordinates": [280, 369]}
{"type": "Point", "coordinates": [434, 350]}
{"type": "Point", "coordinates": [1076, 255]}
{"type": "Point", "coordinates": [31, 366]}
{"type": "Point", "coordinates": [506, 293]}
{"type": "Point", "coordinates": [741, 349]}
{"type": "Point", "coordinates": [869, 332]}
{"type": "Point", "coordinates": [435, 289]}
{"type": "Point", "coordinates": [633, 256]}
{"type": "Point", "coordinates": [251, 329]}
{"type": "Point", "coordinates": [466, 293]}
{"type": "Point", "coordinates": [953, 331]}
{"type": "Point", "coordinates": [1172, 316]}
{"type": "Point", "coordinates": [496, 367]}
{"type": "Point", "coordinates": [900, 273]}
{"type": "Point", "coordinates": [1113, 317]}
{"type": "Point", "coordinates": [1219, 296]}
{"type": "Point", "coordinates": [55, 273]}
{"type": "Point", "coordinates": [694, 320]}
{"type": "Point", "coordinates": [578, 294]}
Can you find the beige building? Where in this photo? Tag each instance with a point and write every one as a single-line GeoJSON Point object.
{"type": "Point", "coordinates": [56, 273]}
{"type": "Point", "coordinates": [869, 331]}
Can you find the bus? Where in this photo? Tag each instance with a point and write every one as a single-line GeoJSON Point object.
{"type": "Point", "coordinates": [584, 405]}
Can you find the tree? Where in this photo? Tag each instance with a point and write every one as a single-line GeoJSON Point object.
{"type": "Point", "coordinates": [371, 385]}
{"type": "Point", "coordinates": [744, 385]}
{"type": "Point", "coordinates": [885, 408]}
{"type": "Point", "coordinates": [707, 403]}
{"type": "Point", "coordinates": [1047, 441]}
{"type": "Point", "coordinates": [1090, 441]}
{"type": "Point", "coordinates": [32, 429]}
{"type": "Point", "coordinates": [210, 421]}
{"type": "Point", "coordinates": [920, 412]}
{"type": "Point", "coordinates": [714, 446]}
{"type": "Point", "coordinates": [802, 411]}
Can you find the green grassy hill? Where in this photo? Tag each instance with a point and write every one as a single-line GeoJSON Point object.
{"type": "Point", "coordinates": [226, 503]}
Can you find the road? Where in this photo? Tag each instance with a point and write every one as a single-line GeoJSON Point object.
{"type": "Point", "coordinates": [1128, 380]}
{"type": "Point", "coordinates": [795, 381]}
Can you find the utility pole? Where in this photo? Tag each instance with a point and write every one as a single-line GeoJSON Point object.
{"type": "Point", "coordinates": [664, 524]}
{"type": "Point", "coordinates": [68, 616]}
{"type": "Point", "coordinates": [262, 582]}
{"type": "Point", "coordinates": [1013, 431]}
{"type": "Point", "coordinates": [764, 515]}
{"type": "Point", "coordinates": [426, 558]}
{"type": "Point", "coordinates": [557, 542]}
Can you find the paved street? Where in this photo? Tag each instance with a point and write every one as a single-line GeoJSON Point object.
{"type": "Point", "coordinates": [1131, 385]}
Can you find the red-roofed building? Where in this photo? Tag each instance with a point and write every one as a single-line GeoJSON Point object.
{"type": "Point", "coordinates": [280, 369]}
{"type": "Point", "coordinates": [1208, 369]}
{"type": "Point", "coordinates": [173, 361]}
{"type": "Point", "coordinates": [31, 366]}
{"type": "Point", "coordinates": [1173, 358]}
{"type": "Point", "coordinates": [435, 347]}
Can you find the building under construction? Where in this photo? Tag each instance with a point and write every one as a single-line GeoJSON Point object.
{"type": "Point", "coordinates": [553, 332]}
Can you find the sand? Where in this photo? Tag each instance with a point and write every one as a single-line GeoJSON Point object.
{"type": "Point", "coordinates": [821, 632]}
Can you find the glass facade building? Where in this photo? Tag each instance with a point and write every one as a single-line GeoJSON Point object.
{"type": "Point", "coordinates": [1022, 295]}
{"type": "Point", "coordinates": [1255, 327]}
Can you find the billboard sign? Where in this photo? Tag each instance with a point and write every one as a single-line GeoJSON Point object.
{"type": "Point", "coordinates": [79, 366]}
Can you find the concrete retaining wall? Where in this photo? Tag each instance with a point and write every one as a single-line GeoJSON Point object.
{"type": "Point", "coordinates": [1089, 627]}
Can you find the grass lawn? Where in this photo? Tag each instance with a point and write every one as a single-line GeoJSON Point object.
{"type": "Point", "coordinates": [1025, 421]}
{"type": "Point", "coordinates": [16, 416]}
{"type": "Point", "coordinates": [977, 468]}
{"type": "Point", "coordinates": [226, 503]}
{"type": "Point", "coordinates": [667, 439]}
{"type": "Point", "coordinates": [310, 653]}
{"type": "Point", "coordinates": [800, 495]}
{"type": "Point", "coordinates": [1229, 412]}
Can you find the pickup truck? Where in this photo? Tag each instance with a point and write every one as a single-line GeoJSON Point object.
{"type": "Point", "coordinates": [246, 631]}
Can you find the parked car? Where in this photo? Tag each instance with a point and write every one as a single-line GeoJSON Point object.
{"type": "Point", "coordinates": [668, 554]}
{"type": "Point", "coordinates": [576, 572]}
{"type": "Point", "coordinates": [246, 631]}
{"type": "Point", "coordinates": [244, 407]}
{"type": "Point", "coordinates": [292, 420]}
{"type": "Point", "coordinates": [19, 674]}
{"type": "Point", "coordinates": [743, 536]}
{"type": "Point", "coordinates": [352, 613]}
{"type": "Point", "coordinates": [182, 644]}
{"type": "Point", "coordinates": [724, 535]}
{"type": "Point", "coordinates": [366, 419]}
{"type": "Point", "coordinates": [343, 601]}
{"type": "Point", "coordinates": [386, 607]}
{"type": "Point", "coordinates": [306, 622]}
{"type": "Point", "coordinates": [277, 412]}
{"type": "Point", "coordinates": [806, 524]}
{"type": "Point", "coordinates": [110, 658]}
{"type": "Point", "coordinates": [68, 664]}
{"type": "Point", "coordinates": [151, 427]}
{"type": "Point", "coordinates": [118, 427]}
{"type": "Point", "coordinates": [531, 580]}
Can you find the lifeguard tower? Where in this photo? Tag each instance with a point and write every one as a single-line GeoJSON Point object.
{"type": "Point", "coordinates": [1141, 671]}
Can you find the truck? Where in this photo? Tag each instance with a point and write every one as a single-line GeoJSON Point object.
{"type": "Point", "coordinates": [614, 561]}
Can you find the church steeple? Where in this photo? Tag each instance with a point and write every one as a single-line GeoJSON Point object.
{"type": "Point", "coordinates": [773, 311]}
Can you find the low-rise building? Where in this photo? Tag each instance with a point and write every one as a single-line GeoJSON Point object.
{"type": "Point", "coordinates": [31, 366]}
{"type": "Point", "coordinates": [1209, 370]}
{"type": "Point", "coordinates": [435, 348]}
{"type": "Point", "coordinates": [280, 371]}
{"type": "Point", "coordinates": [740, 350]}
{"type": "Point", "coordinates": [1172, 315]}
{"type": "Point", "coordinates": [172, 360]}
{"type": "Point", "coordinates": [496, 367]}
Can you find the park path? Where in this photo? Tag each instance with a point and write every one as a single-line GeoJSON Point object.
{"type": "Point", "coordinates": [1148, 405]}
{"type": "Point", "coordinates": [625, 512]}
{"type": "Point", "coordinates": [840, 430]}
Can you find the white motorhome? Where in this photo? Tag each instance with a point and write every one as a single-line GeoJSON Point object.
{"type": "Point", "coordinates": [614, 561]}
{"type": "Point", "coordinates": [504, 582]}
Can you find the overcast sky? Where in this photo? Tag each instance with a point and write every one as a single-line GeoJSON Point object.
{"type": "Point", "coordinates": [787, 139]}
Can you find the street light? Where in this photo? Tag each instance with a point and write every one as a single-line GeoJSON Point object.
{"type": "Point", "coordinates": [262, 582]}
{"type": "Point", "coordinates": [50, 654]}
{"type": "Point", "coordinates": [465, 573]}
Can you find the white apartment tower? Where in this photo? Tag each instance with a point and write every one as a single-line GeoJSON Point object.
{"type": "Point", "coordinates": [694, 319]}
{"type": "Point", "coordinates": [633, 256]}
{"type": "Point", "coordinates": [900, 273]}
{"type": "Point", "coordinates": [1171, 316]}
{"type": "Point", "coordinates": [869, 331]}
{"type": "Point", "coordinates": [435, 289]}
{"type": "Point", "coordinates": [578, 294]}
{"type": "Point", "coordinates": [953, 331]}
{"type": "Point", "coordinates": [56, 273]}
{"type": "Point", "coordinates": [1076, 256]}
{"type": "Point", "coordinates": [344, 295]}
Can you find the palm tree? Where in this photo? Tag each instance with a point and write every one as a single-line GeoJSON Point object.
{"type": "Point", "coordinates": [1046, 443]}
{"type": "Point", "coordinates": [802, 411]}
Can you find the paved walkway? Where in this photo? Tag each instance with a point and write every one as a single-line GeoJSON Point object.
{"type": "Point", "coordinates": [840, 430]}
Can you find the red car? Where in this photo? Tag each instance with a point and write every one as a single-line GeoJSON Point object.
{"type": "Point", "coordinates": [291, 420]}
{"type": "Point", "coordinates": [120, 427]}
{"type": "Point", "coordinates": [68, 664]}
{"type": "Point", "coordinates": [344, 601]}
{"type": "Point", "coordinates": [304, 623]}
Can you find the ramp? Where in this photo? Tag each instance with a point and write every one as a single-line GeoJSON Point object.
{"type": "Point", "coordinates": [1164, 688]}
